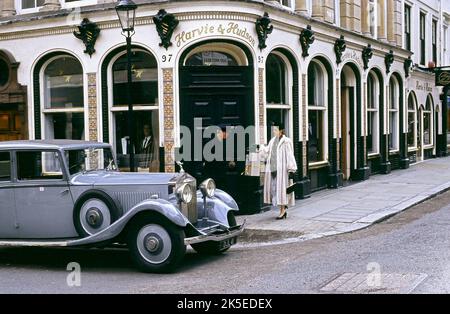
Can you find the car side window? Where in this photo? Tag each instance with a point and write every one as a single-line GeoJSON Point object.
{"type": "Point", "coordinates": [38, 165]}
{"type": "Point", "coordinates": [5, 166]}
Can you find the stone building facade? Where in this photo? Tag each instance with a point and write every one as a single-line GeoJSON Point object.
{"type": "Point", "coordinates": [349, 78]}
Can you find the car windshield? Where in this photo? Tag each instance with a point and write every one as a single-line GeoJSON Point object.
{"type": "Point", "coordinates": [91, 159]}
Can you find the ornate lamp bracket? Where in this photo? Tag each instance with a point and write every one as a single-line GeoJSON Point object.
{"type": "Point", "coordinates": [166, 24]}
{"type": "Point", "coordinates": [339, 48]}
{"type": "Point", "coordinates": [263, 29]}
{"type": "Point", "coordinates": [389, 60]}
{"type": "Point", "coordinates": [88, 32]}
{"type": "Point", "coordinates": [306, 40]}
{"type": "Point", "coordinates": [407, 66]}
{"type": "Point", "coordinates": [367, 54]}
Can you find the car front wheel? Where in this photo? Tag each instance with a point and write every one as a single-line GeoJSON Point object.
{"type": "Point", "coordinates": [156, 246]}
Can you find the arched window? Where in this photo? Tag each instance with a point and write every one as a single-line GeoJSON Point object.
{"type": "Point", "coordinates": [63, 98]}
{"type": "Point", "coordinates": [211, 58]}
{"type": "Point", "coordinates": [428, 122]}
{"type": "Point", "coordinates": [373, 92]}
{"type": "Point", "coordinates": [145, 105]}
{"type": "Point", "coordinates": [412, 121]}
{"type": "Point", "coordinates": [278, 87]}
{"type": "Point", "coordinates": [393, 110]}
{"type": "Point", "coordinates": [317, 107]}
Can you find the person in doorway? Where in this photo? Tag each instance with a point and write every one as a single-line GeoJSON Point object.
{"type": "Point", "coordinates": [221, 168]}
{"type": "Point", "coordinates": [147, 150]}
{"type": "Point", "coordinates": [280, 167]}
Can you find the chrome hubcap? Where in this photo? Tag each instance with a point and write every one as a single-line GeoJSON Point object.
{"type": "Point", "coordinates": [94, 217]}
{"type": "Point", "coordinates": [154, 243]}
{"type": "Point", "coordinates": [151, 243]}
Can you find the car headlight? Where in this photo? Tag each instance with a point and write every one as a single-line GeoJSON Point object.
{"type": "Point", "coordinates": [208, 188]}
{"type": "Point", "coordinates": [184, 193]}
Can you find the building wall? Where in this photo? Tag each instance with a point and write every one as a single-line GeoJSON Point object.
{"type": "Point", "coordinates": [30, 39]}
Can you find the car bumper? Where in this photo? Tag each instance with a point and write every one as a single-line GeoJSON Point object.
{"type": "Point", "coordinates": [228, 236]}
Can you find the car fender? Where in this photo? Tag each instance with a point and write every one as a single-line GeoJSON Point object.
{"type": "Point", "coordinates": [218, 206]}
{"type": "Point", "coordinates": [163, 207]}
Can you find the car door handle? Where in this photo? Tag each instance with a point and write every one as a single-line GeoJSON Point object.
{"type": "Point", "coordinates": [65, 191]}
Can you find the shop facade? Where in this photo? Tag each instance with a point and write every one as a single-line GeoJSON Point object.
{"type": "Point", "coordinates": [349, 102]}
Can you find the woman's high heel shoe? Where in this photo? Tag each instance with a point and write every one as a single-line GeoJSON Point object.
{"type": "Point", "coordinates": [284, 216]}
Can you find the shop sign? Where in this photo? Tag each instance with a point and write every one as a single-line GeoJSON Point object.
{"type": "Point", "coordinates": [442, 77]}
{"type": "Point", "coordinates": [231, 29]}
{"type": "Point", "coordinates": [424, 86]}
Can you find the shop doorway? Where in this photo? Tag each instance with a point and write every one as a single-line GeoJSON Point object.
{"type": "Point", "coordinates": [13, 120]}
{"type": "Point", "coordinates": [11, 123]}
{"type": "Point", "coordinates": [349, 87]}
{"type": "Point", "coordinates": [346, 100]}
{"type": "Point", "coordinates": [216, 89]}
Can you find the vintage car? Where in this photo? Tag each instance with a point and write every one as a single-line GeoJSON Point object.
{"type": "Point", "coordinates": [62, 193]}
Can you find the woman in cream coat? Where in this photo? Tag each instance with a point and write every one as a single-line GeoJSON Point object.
{"type": "Point", "coordinates": [280, 162]}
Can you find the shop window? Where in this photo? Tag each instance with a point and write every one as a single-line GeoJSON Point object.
{"type": "Point", "coordinates": [145, 105]}
{"type": "Point", "coordinates": [63, 99]}
{"type": "Point", "coordinates": [278, 92]}
{"type": "Point", "coordinates": [412, 122]}
{"type": "Point", "coordinates": [276, 76]}
{"type": "Point", "coordinates": [316, 113]}
{"type": "Point", "coordinates": [393, 114]}
{"type": "Point", "coordinates": [145, 80]}
{"type": "Point", "coordinates": [428, 123]}
{"type": "Point", "coordinates": [5, 166]}
{"type": "Point", "coordinates": [372, 114]}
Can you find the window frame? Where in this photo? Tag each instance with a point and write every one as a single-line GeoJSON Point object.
{"type": "Point", "coordinates": [11, 167]}
{"type": "Point", "coordinates": [375, 111]}
{"type": "Point", "coordinates": [323, 111]}
{"type": "Point", "coordinates": [49, 111]}
{"type": "Point", "coordinates": [15, 153]}
{"type": "Point", "coordinates": [112, 110]}
{"type": "Point", "coordinates": [428, 110]}
{"type": "Point", "coordinates": [394, 109]}
{"type": "Point", "coordinates": [77, 3]}
{"type": "Point", "coordinates": [18, 5]}
{"type": "Point", "coordinates": [288, 85]}
{"type": "Point", "coordinates": [434, 40]}
{"type": "Point", "coordinates": [422, 37]}
{"type": "Point", "coordinates": [291, 4]}
{"type": "Point", "coordinates": [413, 111]}
{"type": "Point", "coordinates": [407, 27]}
{"type": "Point", "coordinates": [375, 18]}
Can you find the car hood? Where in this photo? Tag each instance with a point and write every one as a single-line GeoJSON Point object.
{"type": "Point", "coordinates": [97, 178]}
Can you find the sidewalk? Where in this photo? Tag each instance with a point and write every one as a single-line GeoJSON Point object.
{"type": "Point", "coordinates": [331, 212]}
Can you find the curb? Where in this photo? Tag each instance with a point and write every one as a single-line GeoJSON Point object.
{"type": "Point", "coordinates": [363, 223]}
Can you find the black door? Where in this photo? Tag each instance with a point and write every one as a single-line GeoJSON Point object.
{"type": "Point", "coordinates": [216, 95]}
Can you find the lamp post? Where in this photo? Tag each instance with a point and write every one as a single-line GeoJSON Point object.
{"type": "Point", "coordinates": [126, 11]}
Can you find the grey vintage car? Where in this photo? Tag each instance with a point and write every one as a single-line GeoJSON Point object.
{"type": "Point", "coordinates": [64, 193]}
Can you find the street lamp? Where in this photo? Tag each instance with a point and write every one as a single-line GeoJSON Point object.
{"type": "Point", "coordinates": [126, 11]}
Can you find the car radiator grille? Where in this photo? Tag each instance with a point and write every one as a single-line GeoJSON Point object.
{"type": "Point", "coordinates": [129, 199]}
{"type": "Point", "coordinates": [189, 210]}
